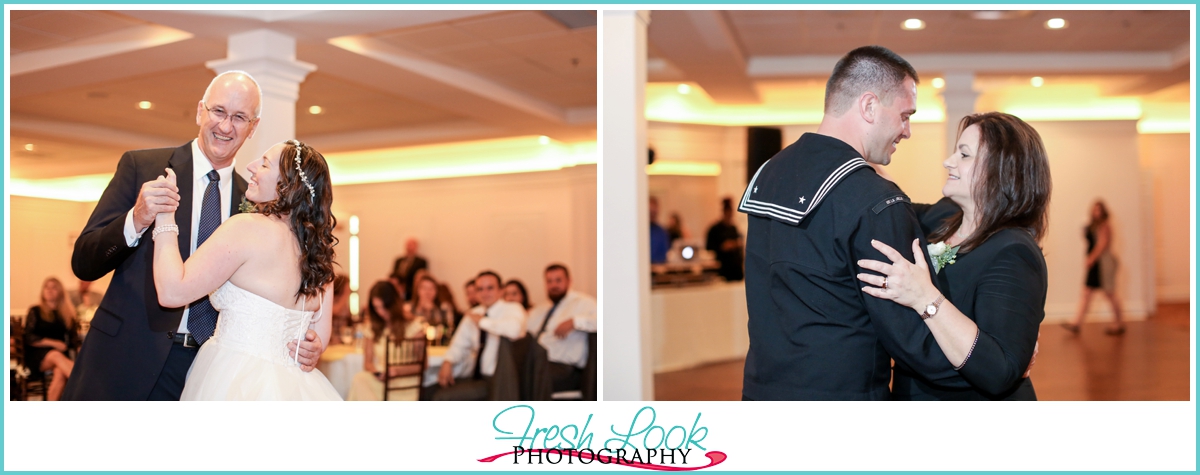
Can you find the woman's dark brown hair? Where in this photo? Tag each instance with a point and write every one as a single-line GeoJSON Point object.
{"type": "Point", "coordinates": [1096, 222]}
{"type": "Point", "coordinates": [309, 211]}
{"type": "Point", "coordinates": [524, 294]}
{"type": "Point", "coordinates": [1012, 184]}
{"type": "Point", "coordinates": [390, 298]}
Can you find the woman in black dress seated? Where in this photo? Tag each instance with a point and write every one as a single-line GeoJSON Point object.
{"type": "Point", "coordinates": [48, 327]}
{"type": "Point", "coordinates": [989, 225]}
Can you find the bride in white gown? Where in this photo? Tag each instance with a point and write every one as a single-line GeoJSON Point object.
{"type": "Point", "coordinates": [270, 274]}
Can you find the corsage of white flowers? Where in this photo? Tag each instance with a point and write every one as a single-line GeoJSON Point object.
{"type": "Point", "coordinates": [941, 255]}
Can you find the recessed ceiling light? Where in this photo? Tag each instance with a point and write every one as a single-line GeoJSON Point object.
{"type": "Point", "coordinates": [1037, 81]}
{"type": "Point", "coordinates": [939, 83]}
{"type": "Point", "coordinates": [28, 147]}
{"type": "Point", "coordinates": [684, 89]}
{"type": "Point", "coordinates": [1056, 23]}
{"type": "Point", "coordinates": [544, 140]}
{"type": "Point", "coordinates": [314, 110]}
{"type": "Point", "coordinates": [913, 24]}
{"type": "Point", "coordinates": [145, 105]}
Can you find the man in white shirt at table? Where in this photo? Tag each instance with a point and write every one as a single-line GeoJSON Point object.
{"type": "Point", "coordinates": [572, 315]}
{"type": "Point", "coordinates": [470, 361]}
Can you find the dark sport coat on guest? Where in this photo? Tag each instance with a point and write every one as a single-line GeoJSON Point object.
{"type": "Point", "coordinates": [127, 346]}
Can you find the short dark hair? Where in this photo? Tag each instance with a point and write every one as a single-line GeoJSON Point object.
{"type": "Point", "coordinates": [1012, 188]}
{"type": "Point", "coordinates": [557, 266]}
{"type": "Point", "coordinates": [499, 281]}
{"type": "Point", "coordinates": [469, 283]}
{"type": "Point", "coordinates": [869, 68]}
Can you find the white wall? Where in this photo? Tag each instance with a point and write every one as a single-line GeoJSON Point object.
{"type": "Point", "coordinates": [42, 235]}
{"type": "Point", "coordinates": [1167, 158]}
{"type": "Point", "coordinates": [514, 224]}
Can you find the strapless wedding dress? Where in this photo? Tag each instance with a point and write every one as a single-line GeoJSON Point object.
{"type": "Point", "coordinates": [247, 358]}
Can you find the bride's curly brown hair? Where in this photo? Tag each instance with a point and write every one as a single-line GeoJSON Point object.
{"type": "Point", "coordinates": [309, 211]}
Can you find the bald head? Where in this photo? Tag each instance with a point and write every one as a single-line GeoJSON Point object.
{"type": "Point", "coordinates": [237, 79]}
{"type": "Point", "coordinates": [227, 116]}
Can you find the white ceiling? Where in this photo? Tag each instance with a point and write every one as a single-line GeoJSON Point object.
{"type": "Point", "coordinates": [728, 52]}
{"type": "Point", "coordinates": [388, 79]}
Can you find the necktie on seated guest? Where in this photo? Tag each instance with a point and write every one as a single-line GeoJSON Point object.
{"type": "Point", "coordinates": [483, 335]}
{"type": "Point", "coordinates": [547, 319]}
{"type": "Point", "coordinates": [202, 321]}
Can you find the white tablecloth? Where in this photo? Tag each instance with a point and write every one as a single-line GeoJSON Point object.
{"type": "Point", "coordinates": [340, 363]}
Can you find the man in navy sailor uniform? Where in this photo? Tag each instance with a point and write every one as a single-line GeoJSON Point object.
{"type": "Point", "coordinates": [814, 209]}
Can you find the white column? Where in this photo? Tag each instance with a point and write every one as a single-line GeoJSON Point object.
{"type": "Point", "coordinates": [625, 236]}
{"type": "Point", "coordinates": [959, 96]}
{"type": "Point", "coordinates": [270, 57]}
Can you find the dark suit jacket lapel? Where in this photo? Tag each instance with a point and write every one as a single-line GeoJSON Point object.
{"type": "Point", "coordinates": [181, 162]}
{"type": "Point", "coordinates": [239, 192]}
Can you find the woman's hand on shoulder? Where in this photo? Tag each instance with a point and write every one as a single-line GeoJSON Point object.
{"type": "Point", "coordinates": [906, 283]}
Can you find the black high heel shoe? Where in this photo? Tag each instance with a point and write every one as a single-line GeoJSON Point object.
{"type": "Point", "coordinates": [1115, 331]}
{"type": "Point", "coordinates": [1074, 329]}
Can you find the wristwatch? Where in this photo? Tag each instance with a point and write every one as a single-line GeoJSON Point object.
{"type": "Point", "coordinates": [932, 309]}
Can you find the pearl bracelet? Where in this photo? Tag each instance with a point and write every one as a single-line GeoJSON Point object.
{"type": "Point", "coordinates": [168, 228]}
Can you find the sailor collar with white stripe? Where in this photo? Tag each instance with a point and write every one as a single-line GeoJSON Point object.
{"type": "Point", "coordinates": [791, 184]}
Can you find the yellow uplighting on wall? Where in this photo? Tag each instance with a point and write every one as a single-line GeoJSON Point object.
{"type": "Point", "coordinates": [783, 103]}
{"type": "Point", "coordinates": [476, 158]}
{"type": "Point", "coordinates": [83, 188]}
{"type": "Point", "coordinates": [463, 159]}
{"type": "Point", "coordinates": [684, 167]}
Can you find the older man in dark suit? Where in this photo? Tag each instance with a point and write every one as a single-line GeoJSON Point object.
{"type": "Point", "coordinates": [138, 350]}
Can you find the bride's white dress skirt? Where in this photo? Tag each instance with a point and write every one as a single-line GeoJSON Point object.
{"type": "Point", "coordinates": [247, 359]}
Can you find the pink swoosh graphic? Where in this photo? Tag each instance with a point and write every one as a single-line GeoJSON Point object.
{"type": "Point", "coordinates": [714, 458]}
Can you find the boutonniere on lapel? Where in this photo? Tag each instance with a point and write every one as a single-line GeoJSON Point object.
{"type": "Point", "coordinates": [941, 255]}
{"type": "Point", "coordinates": [247, 206]}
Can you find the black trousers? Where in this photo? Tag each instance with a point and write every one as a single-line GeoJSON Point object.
{"type": "Point", "coordinates": [170, 381]}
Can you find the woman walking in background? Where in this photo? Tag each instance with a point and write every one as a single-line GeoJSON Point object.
{"type": "Point", "coordinates": [1101, 268]}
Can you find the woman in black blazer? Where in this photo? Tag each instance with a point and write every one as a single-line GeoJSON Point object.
{"type": "Point", "coordinates": [984, 236]}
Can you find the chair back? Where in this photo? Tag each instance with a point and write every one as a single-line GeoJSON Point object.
{"type": "Point", "coordinates": [506, 381]}
{"type": "Point", "coordinates": [404, 362]}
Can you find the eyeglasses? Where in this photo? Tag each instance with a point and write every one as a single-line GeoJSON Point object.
{"type": "Point", "coordinates": [219, 114]}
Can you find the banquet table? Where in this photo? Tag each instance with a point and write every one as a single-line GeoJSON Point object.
{"type": "Point", "coordinates": [340, 363]}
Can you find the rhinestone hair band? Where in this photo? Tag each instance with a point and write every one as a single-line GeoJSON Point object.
{"type": "Point", "coordinates": [312, 193]}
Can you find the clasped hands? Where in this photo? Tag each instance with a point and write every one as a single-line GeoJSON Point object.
{"type": "Point", "coordinates": [160, 195]}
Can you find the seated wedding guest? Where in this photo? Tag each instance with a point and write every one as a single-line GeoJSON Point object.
{"type": "Point", "coordinates": [85, 297]}
{"type": "Point", "coordinates": [445, 300]}
{"type": "Point", "coordinates": [424, 306]}
{"type": "Point", "coordinates": [571, 316]}
{"type": "Point", "coordinates": [341, 303]}
{"type": "Point", "coordinates": [85, 301]}
{"type": "Point", "coordinates": [514, 291]}
{"type": "Point", "coordinates": [385, 317]}
{"type": "Point", "coordinates": [470, 362]}
{"type": "Point", "coordinates": [469, 289]}
{"type": "Point", "coordinates": [48, 327]}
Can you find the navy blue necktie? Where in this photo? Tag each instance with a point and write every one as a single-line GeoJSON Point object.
{"type": "Point", "coordinates": [483, 335]}
{"type": "Point", "coordinates": [547, 320]}
{"type": "Point", "coordinates": [202, 321]}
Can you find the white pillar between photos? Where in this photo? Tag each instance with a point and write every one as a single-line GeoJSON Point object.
{"type": "Point", "coordinates": [270, 57]}
{"type": "Point", "coordinates": [959, 96]}
{"type": "Point", "coordinates": [625, 290]}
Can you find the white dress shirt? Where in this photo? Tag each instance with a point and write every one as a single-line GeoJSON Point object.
{"type": "Point", "coordinates": [200, 168]}
{"type": "Point", "coordinates": [573, 349]}
{"type": "Point", "coordinates": [505, 319]}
